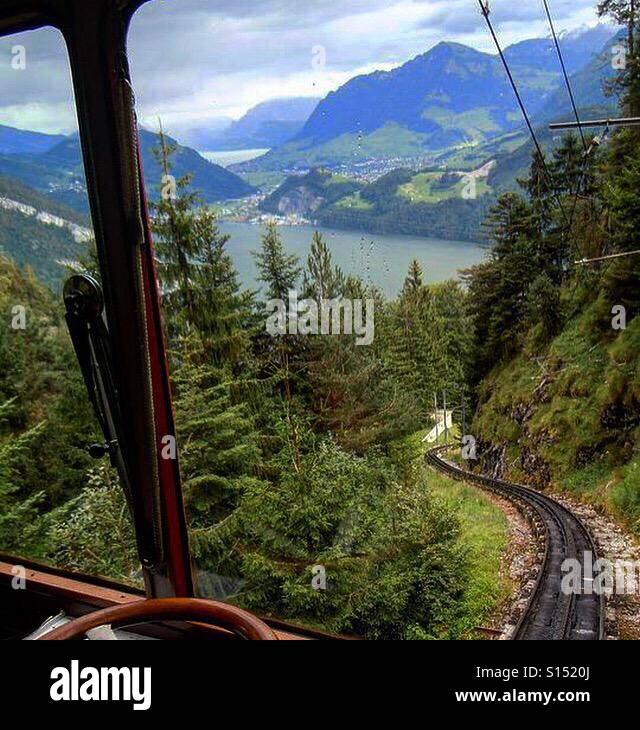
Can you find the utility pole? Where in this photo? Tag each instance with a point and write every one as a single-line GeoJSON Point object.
{"type": "Point", "coordinates": [435, 414]}
{"type": "Point", "coordinates": [464, 415]}
{"type": "Point", "coordinates": [446, 425]}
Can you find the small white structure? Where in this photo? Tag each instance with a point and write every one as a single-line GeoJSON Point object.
{"type": "Point", "coordinates": [439, 428]}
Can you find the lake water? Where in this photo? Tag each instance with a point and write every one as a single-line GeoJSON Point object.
{"type": "Point", "coordinates": [381, 260]}
{"type": "Point", "coordinates": [233, 157]}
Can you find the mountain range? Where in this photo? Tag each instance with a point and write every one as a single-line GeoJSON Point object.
{"type": "Point", "coordinates": [264, 126]}
{"type": "Point", "coordinates": [44, 208]}
{"type": "Point", "coordinates": [56, 170]}
{"type": "Point", "coordinates": [409, 133]}
{"type": "Point", "coordinates": [19, 141]}
{"type": "Point", "coordinates": [451, 97]}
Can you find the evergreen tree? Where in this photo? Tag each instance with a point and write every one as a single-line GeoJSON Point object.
{"type": "Point", "coordinates": [627, 13]}
{"type": "Point", "coordinates": [18, 512]}
{"type": "Point", "coordinates": [322, 280]}
{"type": "Point", "coordinates": [413, 284]}
{"type": "Point", "coordinates": [411, 346]}
{"type": "Point", "coordinates": [277, 270]}
{"type": "Point", "coordinates": [222, 312]}
{"type": "Point", "coordinates": [220, 455]}
{"type": "Point", "coordinates": [93, 532]}
{"type": "Point", "coordinates": [199, 284]}
{"type": "Point", "coordinates": [176, 246]}
{"type": "Point", "coordinates": [545, 309]}
{"type": "Point", "coordinates": [498, 288]}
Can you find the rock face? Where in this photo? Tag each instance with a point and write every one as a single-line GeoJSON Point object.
{"type": "Point", "coordinates": [300, 201]}
{"type": "Point", "coordinates": [303, 195]}
{"type": "Point", "coordinates": [79, 233]}
{"type": "Point", "coordinates": [535, 467]}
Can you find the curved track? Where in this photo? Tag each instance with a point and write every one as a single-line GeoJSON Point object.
{"type": "Point", "coordinates": [550, 613]}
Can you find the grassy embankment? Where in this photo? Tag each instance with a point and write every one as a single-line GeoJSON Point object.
{"type": "Point", "coordinates": [484, 531]}
{"type": "Point", "coordinates": [569, 413]}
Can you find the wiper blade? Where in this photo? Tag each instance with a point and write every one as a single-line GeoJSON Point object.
{"type": "Point", "coordinates": [85, 319]}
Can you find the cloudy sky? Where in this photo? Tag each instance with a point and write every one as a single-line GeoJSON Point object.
{"type": "Point", "coordinates": [194, 60]}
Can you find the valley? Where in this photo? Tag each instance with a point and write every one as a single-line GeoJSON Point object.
{"type": "Point", "coordinates": [317, 485]}
{"type": "Point", "coordinates": [412, 151]}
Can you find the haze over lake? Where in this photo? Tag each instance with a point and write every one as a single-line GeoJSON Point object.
{"type": "Point", "coordinates": [233, 157]}
{"type": "Point", "coordinates": [380, 259]}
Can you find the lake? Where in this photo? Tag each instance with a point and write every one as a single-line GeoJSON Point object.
{"type": "Point", "coordinates": [379, 259]}
{"type": "Point", "coordinates": [233, 157]}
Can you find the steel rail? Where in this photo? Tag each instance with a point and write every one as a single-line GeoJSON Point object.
{"type": "Point", "coordinates": [550, 614]}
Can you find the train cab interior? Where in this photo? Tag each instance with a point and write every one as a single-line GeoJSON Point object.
{"type": "Point", "coordinates": [116, 330]}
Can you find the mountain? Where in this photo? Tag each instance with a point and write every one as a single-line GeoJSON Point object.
{"type": "Point", "coordinates": [578, 49]}
{"type": "Point", "coordinates": [266, 125]}
{"type": "Point", "coordinates": [59, 172]}
{"type": "Point", "coordinates": [451, 96]}
{"type": "Point", "coordinates": [427, 203]}
{"type": "Point", "coordinates": [306, 195]}
{"type": "Point", "coordinates": [38, 232]}
{"type": "Point", "coordinates": [588, 84]}
{"type": "Point", "coordinates": [428, 95]}
{"type": "Point", "coordinates": [204, 138]}
{"type": "Point", "coordinates": [18, 141]}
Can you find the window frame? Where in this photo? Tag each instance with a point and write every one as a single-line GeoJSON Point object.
{"type": "Point", "coordinates": [95, 37]}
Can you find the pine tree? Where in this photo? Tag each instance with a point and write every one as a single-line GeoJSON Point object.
{"type": "Point", "coordinates": [176, 247]}
{"type": "Point", "coordinates": [199, 284]}
{"type": "Point", "coordinates": [222, 312]}
{"type": "Point", "coordinates": [627, 13]}
{"type": "Point", "coordinates": [411, 357]}
{"type": "Point", "coordinates": [220, 451]}
{"type": "Point", "coordinates": [277, 270]}
{"type": "Point", "coordinates": [322, 280]}
{"type": "Point", "coordinates": [498, 288]}
{"type": "Point", "coordinates": [414, 282]}
{"type": "Point", "coordinates": [18, 512]}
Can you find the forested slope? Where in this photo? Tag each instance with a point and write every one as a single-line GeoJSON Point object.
{"type": "Point", "coordinates": [558, 355]}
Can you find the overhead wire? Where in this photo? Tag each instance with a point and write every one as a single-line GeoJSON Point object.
{"type": "Point", "coordinates": [564, 72]}
{"type": "Point", "coordinates": [484, 7]}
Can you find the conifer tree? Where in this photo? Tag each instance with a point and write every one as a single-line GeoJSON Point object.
{"type": "Point", "coordinates": [176, 247]}
{"type": "Point", "coordinates": [322, 280]}
{"type": "Point", "coordinates": [18, 512]}
{"type": "Point", "coordinates": [199, 284]}
{"type": "Point", "coordinates": [277, 270]}
{"type": "Point", "coordinates": [220, 453]}
{"type": "Point", "coordinates": [627, 13]}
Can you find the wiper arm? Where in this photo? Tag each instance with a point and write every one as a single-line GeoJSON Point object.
{"type": "Point", "coordinates": [85, 319]}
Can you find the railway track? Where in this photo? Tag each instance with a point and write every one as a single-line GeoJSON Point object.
{"type": "Point", "coordinates": [550, 613]}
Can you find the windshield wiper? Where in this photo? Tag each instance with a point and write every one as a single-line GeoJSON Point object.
{"type": "Point", "coordinates": [85, 319]}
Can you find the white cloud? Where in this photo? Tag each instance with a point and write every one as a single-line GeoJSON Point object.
{"type": "Point", "coordinates": [197, 59]}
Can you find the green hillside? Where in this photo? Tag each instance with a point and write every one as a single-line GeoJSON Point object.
{"type": "Point", "coordinates": [13, 189]}
{"type": "Point", "coordinates": [429, 203]}
{"type": "Point", "coordinates": [31, 242]}
{"type": "Point", "coordinates": [568, 415]}
{"type": "Point", "coordinates": [40, 246]}
{"type": "Point", "coordinates": [59, 173]}
{"type": "Point", "coordinates": [557, 368]}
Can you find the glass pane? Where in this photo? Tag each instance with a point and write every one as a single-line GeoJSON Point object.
{"type": "Point", "coordinates": [326, 181]}
{"type": "Point", "coordinates": [57, 505]}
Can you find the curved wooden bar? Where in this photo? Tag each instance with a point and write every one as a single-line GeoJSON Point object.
{"type": "Point", "coordinates": [234, 619]}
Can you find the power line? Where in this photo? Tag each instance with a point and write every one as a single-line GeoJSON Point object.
{"type": "Point", "coordinates": [485, 12]}
{"type": "Point", "coordinates": [608, 258]}
{"type": "Point", "coordinates": [564, 72]}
